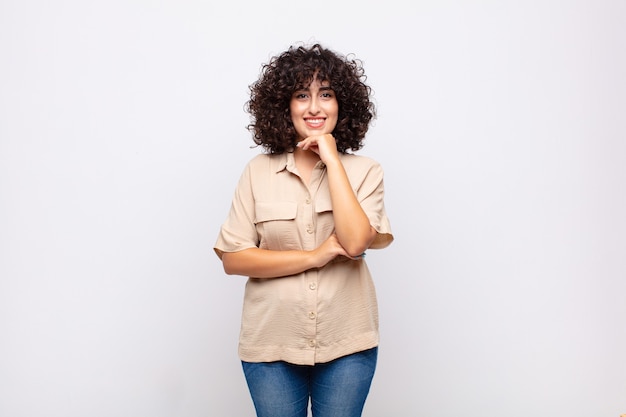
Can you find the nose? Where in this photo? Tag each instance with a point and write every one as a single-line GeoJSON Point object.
{"type": "Point", "coordinates": [314, 106]}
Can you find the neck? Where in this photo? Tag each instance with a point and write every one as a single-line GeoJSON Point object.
{"type": "Point", "coordinates": [308, 155]}
{"type": "Point", "coordinates": [305, 162]}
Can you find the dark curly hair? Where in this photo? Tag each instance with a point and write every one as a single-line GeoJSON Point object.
{"type": "Point", "coordinates": [294, 69]}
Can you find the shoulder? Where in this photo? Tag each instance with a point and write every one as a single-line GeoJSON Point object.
{"type": "Point", "coordinates": [262, 158]}
{"type": "Point", "coordinates": [353, 161]}
{"type": "Point", "coordinates": [266, 162]}
{"type": "Point", "coordinates": [362, 169]}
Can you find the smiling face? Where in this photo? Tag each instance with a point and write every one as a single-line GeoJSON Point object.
{"type": "Point", "coordinates": [314, 109]}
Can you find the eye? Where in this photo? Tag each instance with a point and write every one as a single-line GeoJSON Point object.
{"type": "Point", "coordinates": [327, 93]}
{"type": "Point", "coordinates": [300, 95]}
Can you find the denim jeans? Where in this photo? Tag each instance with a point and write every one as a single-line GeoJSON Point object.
{"type": "Point", "coordinates": [336, 389]}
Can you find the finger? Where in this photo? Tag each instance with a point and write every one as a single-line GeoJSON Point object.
{"type": "Point", "coordinates": [306, 143]}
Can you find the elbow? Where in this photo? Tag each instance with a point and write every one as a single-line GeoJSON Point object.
{"type": "Point", "coordinates": [231, 270]}
{"type": "Point", "coordinates": [357, 247]}
{"type": "Point", "coordinates": [356, 250]}
{"type": "Point", "coordinates": [228, 265]}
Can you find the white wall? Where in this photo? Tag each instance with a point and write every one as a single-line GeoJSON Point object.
{"type": "Point", "coordinates": [501, 129]}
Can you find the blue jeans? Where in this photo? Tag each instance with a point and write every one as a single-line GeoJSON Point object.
{"type": "Point", "coordinates": [337, 388]}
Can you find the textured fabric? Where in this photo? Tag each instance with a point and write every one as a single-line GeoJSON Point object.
{"type": "Point", "coordinates": [320, 314]}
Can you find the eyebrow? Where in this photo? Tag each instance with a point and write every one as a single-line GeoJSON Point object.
{"type": "Point", "coordinates": [308, 89]}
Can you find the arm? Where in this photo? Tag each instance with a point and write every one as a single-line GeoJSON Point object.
{"type": "Point", "coordinates": [352, 225]}
{"type": "Point", "coordinates": [263, 263]}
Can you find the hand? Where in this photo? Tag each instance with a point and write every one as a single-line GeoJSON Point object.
{"type": "Point", "coordinates": [323, 145]}
{"type": "Point", "coordinates": [329, 250]}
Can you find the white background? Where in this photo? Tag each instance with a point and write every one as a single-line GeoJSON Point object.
{"type": "Point", "coordinates": [501, 129]}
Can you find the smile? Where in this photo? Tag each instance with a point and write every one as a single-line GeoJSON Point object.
{"type": "Point", "coordinates": [314, 122]}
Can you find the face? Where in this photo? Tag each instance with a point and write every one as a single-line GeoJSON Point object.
{"type": "Point", "coordinates": [314, 110]}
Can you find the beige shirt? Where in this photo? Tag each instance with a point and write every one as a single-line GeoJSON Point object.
{"type": "Point", "coordinates": [320, 314]}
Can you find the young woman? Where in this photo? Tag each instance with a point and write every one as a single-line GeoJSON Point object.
{"type": "Point", "coordinates": [303, 215]}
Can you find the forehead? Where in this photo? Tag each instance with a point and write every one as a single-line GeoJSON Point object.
{"type": "Point", "coordinates": [313, 82]}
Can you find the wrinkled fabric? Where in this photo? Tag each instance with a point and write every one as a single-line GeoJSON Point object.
{"type": "Point", "coordinates": [320, 314]}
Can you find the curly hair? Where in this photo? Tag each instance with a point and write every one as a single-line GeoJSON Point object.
{"type": "Point", "coordinates": [294, 69]}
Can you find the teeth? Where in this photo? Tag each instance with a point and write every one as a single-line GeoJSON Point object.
{"type": "Point", "coordinates": [315, 120]}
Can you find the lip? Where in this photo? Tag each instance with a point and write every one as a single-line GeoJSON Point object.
{"type": "Point", "coordinates": [315, 122]}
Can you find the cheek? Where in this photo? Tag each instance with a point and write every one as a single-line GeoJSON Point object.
{"type": "Point", "coordinates": [294, 110]}
{"type": "Point", "coordinates": [333, 109]}
{"type": "Point", "coordinates": [290, 113]}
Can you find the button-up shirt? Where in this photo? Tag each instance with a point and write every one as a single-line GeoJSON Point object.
{"type": "Point", "coordinates": [320, 314]}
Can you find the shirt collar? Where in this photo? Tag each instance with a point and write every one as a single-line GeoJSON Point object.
{"type": "Point", "coordinates": [285, 161]}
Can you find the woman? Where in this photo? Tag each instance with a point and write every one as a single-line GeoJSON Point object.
{"type": "Point", "coordinates": [303, 215]}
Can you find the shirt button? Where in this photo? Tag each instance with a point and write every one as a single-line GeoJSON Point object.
{"type": "Point", "coordinates": [312, 286]}
{"type": "Point", "coordinates": [312, 315]}
{"type": "Point", "coordinates": [309, 229]}
{"type": "Point", "coordinates": [308, 201]}
{"type": "Point", "coordinates": [312, 343]}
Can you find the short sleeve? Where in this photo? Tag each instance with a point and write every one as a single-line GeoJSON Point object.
{"type": "Point", "coordinates": [371, 196]}
{"type": "Point", "coordinates": [238, 232]}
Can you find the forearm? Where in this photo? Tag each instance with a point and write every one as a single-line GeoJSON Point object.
{"type": "Point", "coordinates": [352, 225]}
{"type": "Point", "coordinates": [261, 263]}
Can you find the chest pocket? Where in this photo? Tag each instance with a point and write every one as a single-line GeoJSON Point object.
{"type": "Point", "coordinates": [276, 225]}
{"type": "Point", "coordinates": [323, 205]}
